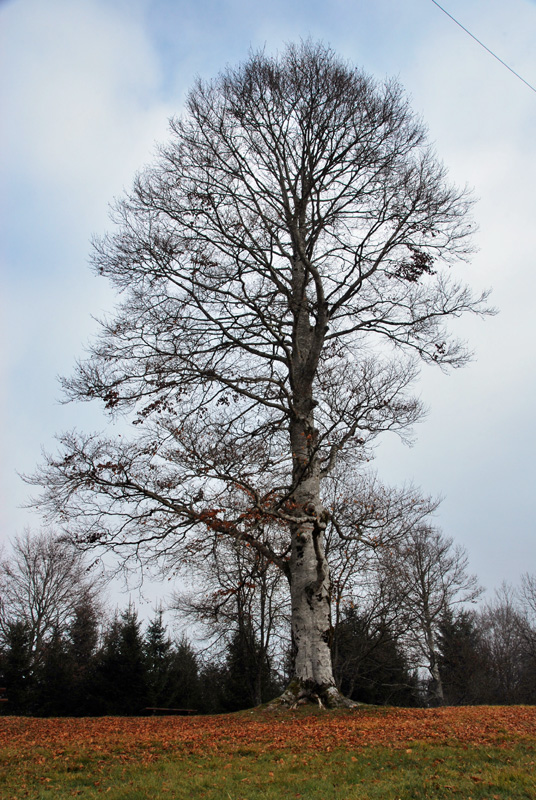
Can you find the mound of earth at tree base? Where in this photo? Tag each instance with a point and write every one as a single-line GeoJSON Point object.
{"type": "Point", "coordinates": [306, 729]}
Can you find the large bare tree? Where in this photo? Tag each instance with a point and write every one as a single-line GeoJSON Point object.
{"type": "Point", "coordinates": [284, 265]}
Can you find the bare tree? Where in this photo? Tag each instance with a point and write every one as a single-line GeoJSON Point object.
{"type": "Point", "coordinates": [506, 635]}
{"type": "Point", "coordinates": [431, 574]}
{"type": "Point", "coordinates": [527, 596]}
{"type": "Point", "coordinates": [284, 266]}
{"type": "Point", "coordinates": [508, 624]}
{"type": "Point", "coordinates": [240, 595]}
{"type": "Point", "coordinates": [43, 582]}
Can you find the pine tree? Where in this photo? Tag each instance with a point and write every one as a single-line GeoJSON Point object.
{"type": "Point", "coordinates": [159, 663]}
{"type": "Point", "coordinates": [249, 680]}
{"type": "Point", "coordinates": [55, 678]}
{"type": "Point", "coordinates": [83, 638]}
{"type": "Point", "coordinates": [369, 664]}
{"type": "Point", "coordinates": [121, 676]}
{"type": "Point", "coordinates": [462, 660]}
{"type": "Point", "coordinates": [17, 668]}
{"type": "Point", "coordinates": [185, 676]}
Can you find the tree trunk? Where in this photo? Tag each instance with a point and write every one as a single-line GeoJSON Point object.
{"type": "Point", "coordinates": [310, 597]}
{"type": "Point", "coordinates": [309, 578]}
{"type": "Point", "coordinates": [309, 572]}
{"type": "Point", "coordinates": [437, 683]}
{"type": "Point", "coordinates": [310, 620]}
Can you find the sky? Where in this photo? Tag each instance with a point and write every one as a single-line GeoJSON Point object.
{"type": "Point", "coordinates": [88, 87]}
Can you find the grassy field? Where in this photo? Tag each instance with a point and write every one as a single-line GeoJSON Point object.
{"type": "Point", "coordinates": [364, 754]}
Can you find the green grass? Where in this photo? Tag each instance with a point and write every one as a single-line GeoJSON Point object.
{"type": "Point", "coordinates": [377, 773]}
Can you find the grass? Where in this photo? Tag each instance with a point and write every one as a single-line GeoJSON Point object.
{"type": "Point", "coordinates": [145, 766]}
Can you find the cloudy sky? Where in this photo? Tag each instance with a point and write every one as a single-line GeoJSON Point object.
{"type": "Point", "coordinates": [88, 86]}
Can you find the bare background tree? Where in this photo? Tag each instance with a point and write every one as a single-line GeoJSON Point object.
{"type": "Point", "coordinates": [42, 582]}
{"type": "Point", "coordinates": [509, 634]}
{"type": "Point", "coordinates": [284, 266]}
{"type": "Point", "coordinates": [240, 601]}
{"type": "Point", "coordinates": [432, 578]}
{"type": "Point", "coordinates": [527, 600]}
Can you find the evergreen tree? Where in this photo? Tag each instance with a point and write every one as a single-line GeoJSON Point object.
{"type": "Point", "coordinates": [17, 668]}
{"type": "Point", "coordinates": [248, 676]}
{"type": "Point", "coordinates": [462, 660]}
{"type": "Point", "coordinates": [83, 637]}
{"type": "Point", "coordinates": [211, 688]}
{"type": "Point", "coordinates": [185, 676]}
{"type": "Point", "coordinates": [159, 660]}
{"type": "Point", "coordinates": [121, 675]}
{"type": "Point", "coordinates": [172, 670]}
{"type": "Point", "coordinates": [54, 679]}
{"type": "Point", "coordinates": [369, 664]}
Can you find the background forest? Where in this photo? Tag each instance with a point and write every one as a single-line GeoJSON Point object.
{"type": "Point", "coordinates": [63, 653]}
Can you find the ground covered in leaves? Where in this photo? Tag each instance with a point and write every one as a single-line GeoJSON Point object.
{"type": "Point", "coordinates": [366, 753]}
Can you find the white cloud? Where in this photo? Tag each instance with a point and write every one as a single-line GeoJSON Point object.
{"type": "Point", "coordinates": [83, 109]}
{"type": "Point", "coordinates": [82, 101]}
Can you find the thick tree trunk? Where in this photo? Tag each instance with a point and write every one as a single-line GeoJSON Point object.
{"type": "Point", "coordinates": [310, 595]}
{"type": "Point", "coordinates": [437, 683]}
{"type": "Point", "coordinates": [310, 621]}
{"type": "Point", "coordinates": [309, 580]}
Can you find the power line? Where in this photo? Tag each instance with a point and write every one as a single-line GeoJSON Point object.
{"type": "Point", "coordinates": [484, 46]}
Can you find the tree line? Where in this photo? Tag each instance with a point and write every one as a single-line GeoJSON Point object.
{"type": "Point", "coordinates": [392, 641]}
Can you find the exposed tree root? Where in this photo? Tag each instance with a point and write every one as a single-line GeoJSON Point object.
{"type": "Point", "coordinates": [300, 693]}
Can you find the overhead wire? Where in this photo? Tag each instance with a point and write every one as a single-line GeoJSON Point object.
{"type": "Point", "coordinates": [485, 47]}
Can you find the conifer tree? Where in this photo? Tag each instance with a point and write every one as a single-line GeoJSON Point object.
{"type": "Point", "coordinates": [17, 667]}
{"type": "Point", "coordinates": [121, 675]}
